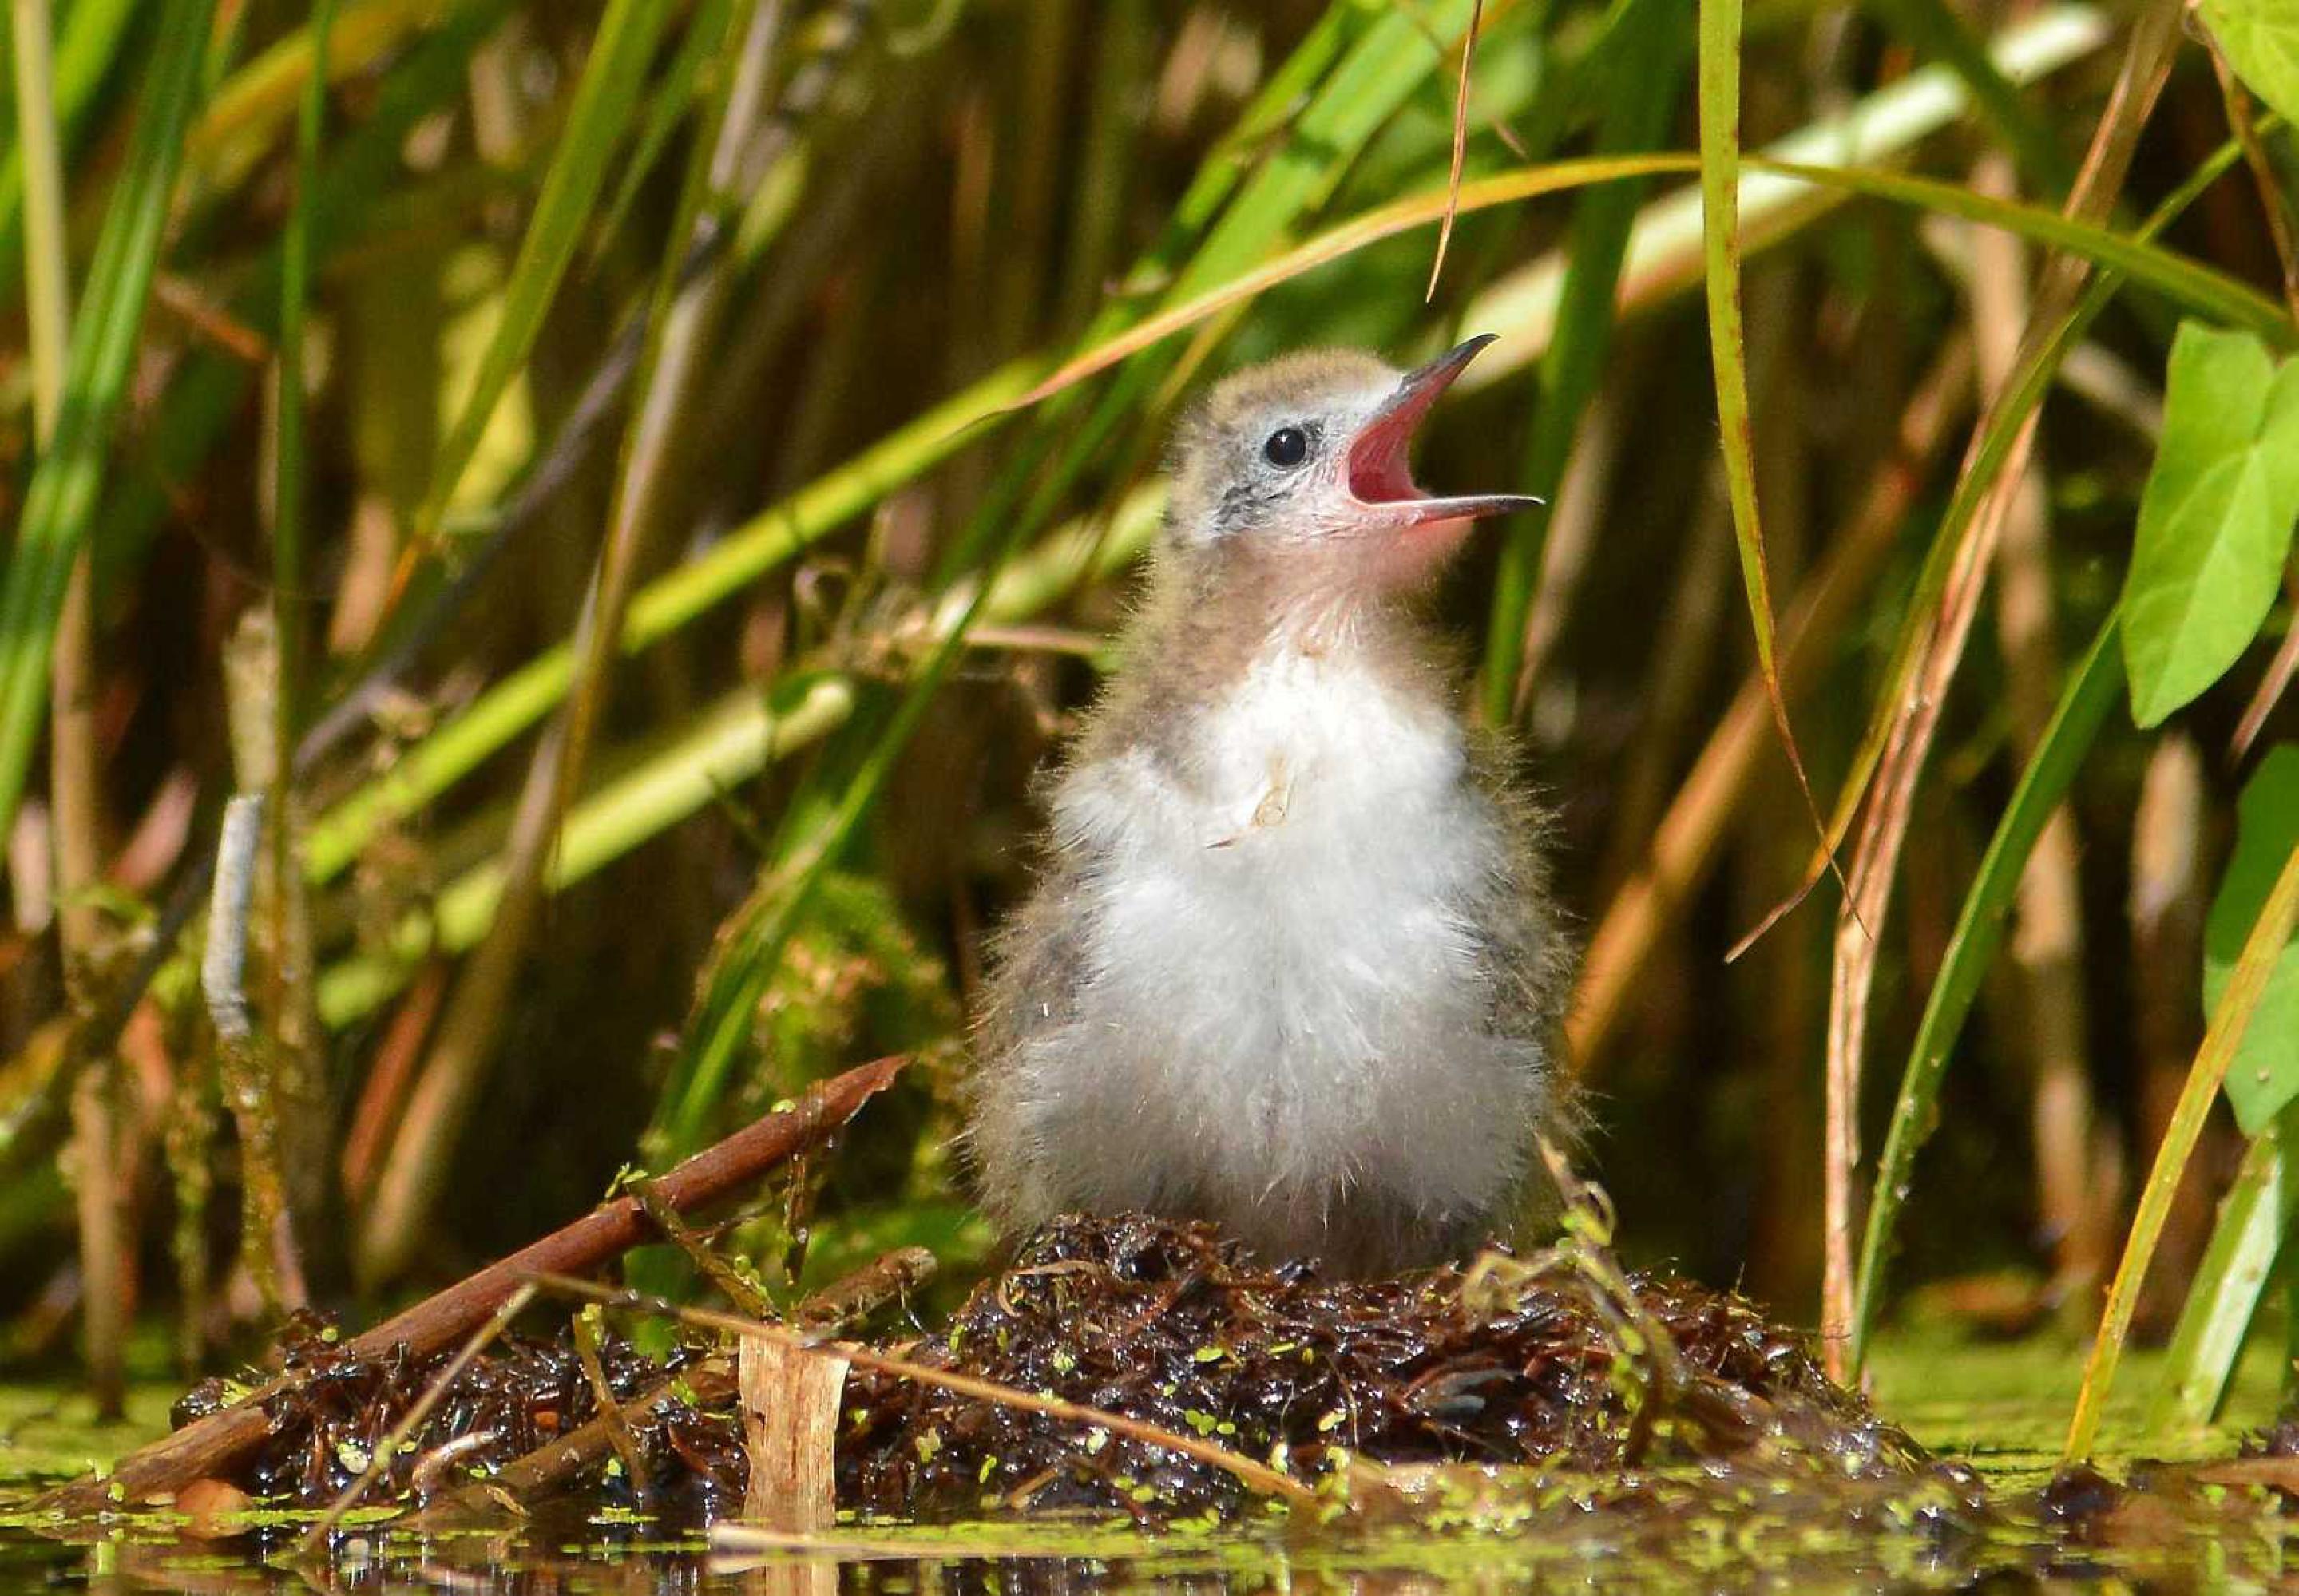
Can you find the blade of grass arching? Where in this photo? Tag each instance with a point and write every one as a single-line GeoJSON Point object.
{"type": "Point", "coordinates": [92, 33]}
{"type": "Point", "coordinates": [60, 499]}
{"type": "Point", "coordinates": [2090, 692]}
{"type": "Point", "coordinates": [1937, 31]}
{"type": "Point", "coordinates": [692, 766]}
{"type": "Point", "coordinates": [604, 100]}
{"type": "Point", "coordinates": [1718, 76]}
{"type": "Point", "coordinates": [2261, 949]}
{"type": "Point", "coordinates": [1665, 247]}
{"type": "Point", "coordinates": [1637, 114]}
{"type": "Point", "coordinates": [684, 311]}
{"type": "Point", "coordinates": [2195, 288]}
{"type": "Point", "coordinates": [2254, 1216]}
{"type": "Point", "coordinates": [2003, 433]}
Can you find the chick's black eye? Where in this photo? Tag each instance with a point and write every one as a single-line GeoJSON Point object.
{"type": "Point", "coordinates": [1286, 447]}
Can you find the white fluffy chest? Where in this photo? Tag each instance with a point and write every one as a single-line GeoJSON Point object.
{"type": "Point", "coordinates": [1279, 927]}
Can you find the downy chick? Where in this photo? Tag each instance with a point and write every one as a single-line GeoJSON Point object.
{"type": "Point", "coordinates": [1290, 964]}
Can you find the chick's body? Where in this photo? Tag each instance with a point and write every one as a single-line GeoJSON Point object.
{"type": "Point", "coordinates": [1290, 965]}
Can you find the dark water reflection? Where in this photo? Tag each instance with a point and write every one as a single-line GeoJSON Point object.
{"type": "Point", "coordinates": [1679, 1533]}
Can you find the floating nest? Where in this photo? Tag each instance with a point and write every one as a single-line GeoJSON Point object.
{"type": "Point", "coordinates": [1559, 1363]}
{"type": "Point", "coordinates": [1535, 1364]}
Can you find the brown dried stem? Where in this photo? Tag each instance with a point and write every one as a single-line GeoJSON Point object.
{"type": "Point", "coordinates": [2047, 940]}
{"type": "Point", "coordinates": [2273, 199]}
{"type": "Point", "coordinates": [2147, 62]}
{"type": "Point", "coordinates": [2278, 679]}
{"type": "Point", "coordinates": [612, 1418]}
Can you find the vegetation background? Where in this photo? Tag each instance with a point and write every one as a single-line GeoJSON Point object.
{"type": "Point", "coordinates": [631, 492]}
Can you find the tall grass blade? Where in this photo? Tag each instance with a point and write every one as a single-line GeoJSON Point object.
{"type": "Point", "coordinates": [2193, 286]}
{"type": "Point", "coordinates": [84, 52]}
{"type": "Point", "coordinates": [290, 466]}
{"type": "Point", "coordinates": [2261, 950]}
{"type": "Point", "coordinates": [1718, 76]}
{"type": "Point", "coordinates": [61, 500]}
{"type": "Point", "coordinates": [2090, 693]}
{"type": "Point", "coordinates": [1643, 76]}
{"type": "Point", "coordinates": [2254, 1216]}
{"type": "Point", "coordinates": [603, 102]}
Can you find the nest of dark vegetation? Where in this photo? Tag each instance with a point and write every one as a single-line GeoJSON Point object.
{"type": "Point", "coordinates": [1557, 1362]}
{"type": "Point", "coordinates": [1513, 1363]}
{"type": "Point", "coordinates": [509, 1403]}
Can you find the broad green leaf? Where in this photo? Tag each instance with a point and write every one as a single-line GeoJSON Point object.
{"type": "Point", "coordinates": [2260, 40]}
{"type": "Point", "coordinates": [2214, 520]}
{"type": "Point", "coordinates": [2264, 1074]}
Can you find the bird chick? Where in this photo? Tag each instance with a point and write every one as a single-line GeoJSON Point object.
{"type": "Point", "coordinates": [1290, 964]}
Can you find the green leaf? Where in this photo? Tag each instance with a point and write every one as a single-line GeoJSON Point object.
{"type": "Point", "coordinates": [2214, 520]}
{"type": "Point", "coordinates": [2261, 40]}
{"type": "Point", "coordinates": [2264, 1074]}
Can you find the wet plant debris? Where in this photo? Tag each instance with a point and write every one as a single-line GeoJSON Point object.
{"type": "Point", "coordinates": [1162, 1323]}
{"type": "Point", "coordinates": [1167, 1324]}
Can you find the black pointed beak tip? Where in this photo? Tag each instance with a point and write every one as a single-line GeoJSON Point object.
{"type": "Point", "coordinates": [1438, 374]}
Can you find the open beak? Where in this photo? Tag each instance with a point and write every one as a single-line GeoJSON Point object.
{"type": "Point", "coordinates": [1381, 474]}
